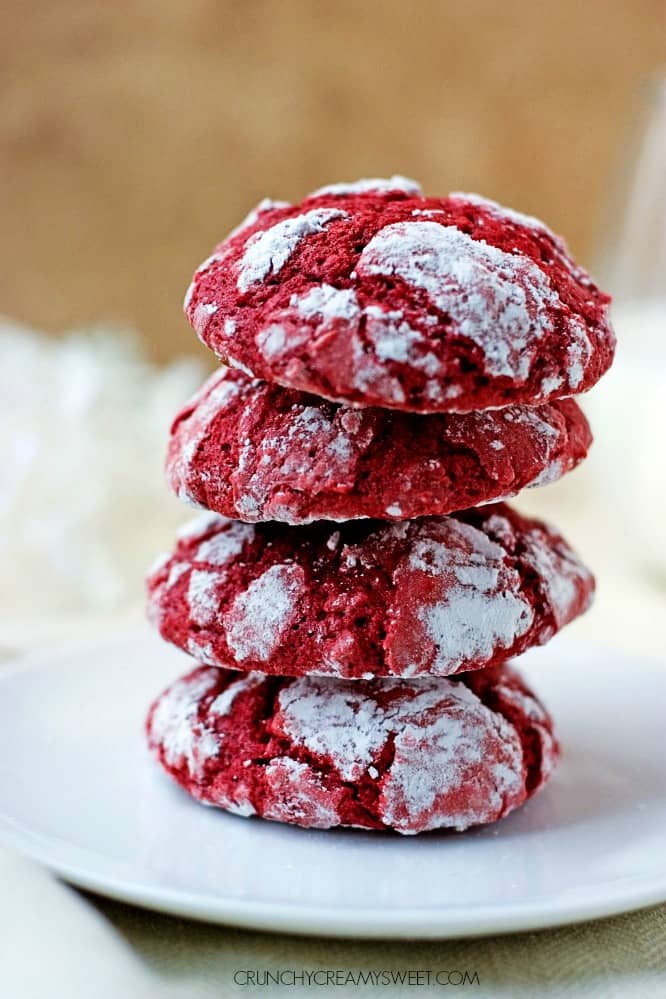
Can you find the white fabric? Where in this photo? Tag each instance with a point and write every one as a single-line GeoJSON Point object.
{"type": "Point", "coordinates": [53, 944]}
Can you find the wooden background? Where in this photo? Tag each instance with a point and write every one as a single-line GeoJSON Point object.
{"type": "Point", "coordinates": [134, 133]}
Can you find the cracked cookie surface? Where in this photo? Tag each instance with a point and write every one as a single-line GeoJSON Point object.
{"type": "Point", "coordinates": [434, 596]}
{"type": "Point", "coordinates": [373, 294]}
{"type": "Point", "coordinates": [404, 755]}
{"type": "Point", "coordinates": [256, 451]}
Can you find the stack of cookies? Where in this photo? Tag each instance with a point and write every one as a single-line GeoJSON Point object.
{"type": "Point", "coordinates": [395, 367]}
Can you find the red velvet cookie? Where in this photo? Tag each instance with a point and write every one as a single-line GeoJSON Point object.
{"type": "Point", "coordinates": [256, 451]}
{"type": "Point", "coordinates": [319, 752]}
{"type": "Point", "coordinates": [375, 295]}
{"type": "Point", "coordinates": [361, 599]}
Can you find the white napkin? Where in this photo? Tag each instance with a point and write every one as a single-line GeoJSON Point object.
{"type": "Point", "coordinates": [55, 946]}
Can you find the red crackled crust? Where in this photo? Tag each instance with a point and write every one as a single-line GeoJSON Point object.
{"type": "Point", "coordinates": [319, 752]}
{"type": "Point", "coordinates": [364, 598]}
{"type": "Point", "coordinates": [375, 295]}
{"type": "Point", "coordinates": [255, 451]}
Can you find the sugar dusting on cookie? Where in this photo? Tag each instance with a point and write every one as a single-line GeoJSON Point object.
{"type": "Point", "coordinates": [259, 615]}
{"type": "Point", "coordinates": [499, 300]}
{"type": "Point", "coordinates": [366, 185]}
{"type": "Point", "coordinates": [297, 794]}
{"type": "Point", "coordinates": [403, 755]}
{"type": "Point", "coordinates": [225, 544]}
{"type": "Point", "coordinates": [267, 252]}
{"type": "Point", "coordinates": [175, 725]}
{"type": "Point", "coordinates": [202, 597]}
{"type": "Point", "coordinates": [478, 609]}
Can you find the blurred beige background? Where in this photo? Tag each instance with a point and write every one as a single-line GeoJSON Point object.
{"type": "Point", "coordinates": [134, 134]}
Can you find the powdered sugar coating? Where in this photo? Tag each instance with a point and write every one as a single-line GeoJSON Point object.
{"type": "Point", "coordinates": [499, 300]}
{"type": "Point", "coordinates": [374, 294]}
{"type": "Point", "coordinates": [204, 266]}
{"type": "Point", "coordinates": [439, 731]}
{"type": "Point", "coordinates": [407, 755]}
{"type": "Point", "coordinates": [296, 794]}
{"type": "Point", "coordinates": [220, 548]}
{"type": "Point", "coordinates": [328, 302]}
{"type": "Point", "coordinates": [375, 184]}
{"type": "Point", "coordinates": [260, 614]}
{"type": "Point", "coordinates": [579, 353]}
{"type": "Point", "coordinates": [223, 703]}
{"type": "Point", "coordinates": [201, 651]}
{"type": "Point", "coordinates": [267, 453]}
{"type": "Point", "coordinates": [553, 561]}
{"type": "Point", "coordinates": [176, 570]}
{"type": "Point", "coordinates": [560, 575]}
{"type": "Point", "coordinates": [199, 526]}
{"type": "Point", "coordinates": [201, 597]}
{"type": "Point", "coordinates": [333, 720]}
{"type": "Point", "coordinates": [438, 595]}
{"type": "Point", "coordinates": [433, 761]}
{"type": "Point", "coordinates": [501, 212]}
{"type": "Point", "coordinates": [267, 252]}
{"type": "Point", "coordinates": [551, 473]}
{"type": "Point", "coordinates": [526, 705]}
{"type": "Point", "coordinates": [481, 610]}
{"type": "Point", "coordinates": [176, 727]}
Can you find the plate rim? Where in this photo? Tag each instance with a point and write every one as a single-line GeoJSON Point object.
{"type": "Point", "coordinates": [424, 923]}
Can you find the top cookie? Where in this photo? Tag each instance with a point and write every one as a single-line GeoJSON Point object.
{"type": "Point", "coordinates": [374, 295]}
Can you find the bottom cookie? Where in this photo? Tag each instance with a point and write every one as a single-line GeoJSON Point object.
{"type": "Point", "coordinates": [408, 755]}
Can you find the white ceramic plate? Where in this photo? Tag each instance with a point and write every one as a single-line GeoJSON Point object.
{"type": "Point", "coordinates": [79, 793]}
